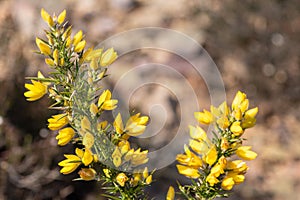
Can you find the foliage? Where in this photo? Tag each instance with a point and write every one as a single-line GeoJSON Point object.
{"type": "Point", "coordinates": [103, 152]}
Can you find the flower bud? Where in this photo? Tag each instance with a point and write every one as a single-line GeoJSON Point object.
{"type": "Point", "coordinates": [108, 57]}
{"type": "Point", "coordinates": [87, 174]}
{"type": "Point", "coordinates": [61, 17]}
{"type": "Point", "coordinates": [121, 179]}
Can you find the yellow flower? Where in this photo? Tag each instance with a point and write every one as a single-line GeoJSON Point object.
{"type": "Point", "coordinates": [102, 74]}
{"type": "Point", "coordinates": [211, 156]}
{"type": "Point", "coordinates": [135, 157]}
{"type": "Point", "coordinates": [189, 158]}
{"type": "Point", "coordinates": [121, 179]}
{"type": "Point", "coordinates": [94, 64]}
{"type": "Point", "coordinates": [68, 41]}
{"type": "Point", "coordinates": [145, 172]}
{"type": "Point", "coordinates": [94, 109]}
{"type": "Point", "coordinates": [221, 111]}
{"type": "Point", "coordinates": [148, 179]}
{"type": "Point", "coordinates": [88, 140]}
{"type": "Point", "coordinates": [72, 162]}
{"type": "Point", "coordinates": [91, 54]}
{"type": "Point", "coordinates": [170, 194]}
{"type": "Point", "coordinates": [223, 122]}
{"type": "Point", "coordinates": [77, 38]}
{"type": "Point", "coordinates": [62, 62]}
{"type": "Point", "coordinates": [232, 179]}
{"type": "Point", "coordinates": [85, 123]}
{"type": "Point", "coordinates": [118, 124]}
{"type": "Point", "coordinates": [49, 61]}
{"type": "Point", "coordinates": [224, 144]}
{"type": "Point", "coordinates": [50, 40]}
{"type": "Point", "coordinates": [87, 174]}
{"type": "Point", "coordinates": [237, 169]}
{"type": "Point", "coordinates": [248, 123]}
{"type": "Point", "coordinates": [65, 135]}
{"type": "Point", "coordinates": [61, 17]}
{"type": "Point", "coordinates": [41, 76]}
{"type": "Point", "coordinates": [136, 125]}
{"type": "Point", "coordinates": [80, 46]}
{"type": "Point", "coordinates": [137, 119]}
{"type": "Point", "coordinates": [87, 157]}
{"type": "Point", "coordinates": [44, 48]}
{"type": "Point", "coordinates": [36, 90]}
{"type": "Point", "coordinates": [95, 158]}
{"type": "Point", "coordinates": [55, 56]}
{"type": "Point", "coordinates": [218, 168]}
{"type": "Point", "coordinates": [137, 177]}
{"type": "Point", "coordinates": [139, 158]}
{"type": "Point", "coordinates": [102, 125]}
{"type": "Point", "coordinates": [85, 126]}
{"type": "Point", "coordinates": [85, 55]}
{"type": "Point", "coordinates": [67, 33]}
{"type": "Point", "coordinates": [249, 118]}
{"type": "Point", "coordinates": [106, 172]}
{"type": "Point", "coordinates": [251, 113]}
{"type": "Point", "coordinates": [199, 147]}
{"type": "Point", "coordinates": [124, 146]}
{"type": "Point", "coordinates": [244, 105]}
{"type": "Point", "coordinates": [117, 157]}
{"type": "Point", "coordinates": [105, 102]}
{"type": "Point", "coordinates": [237, 166]}
{"type": "Point", "coordinates": [58, 121]}
{"type": "Point", "coordinates": [235, 145]}
{"type": "Point", "coordinates": [108, 57]}
{"type": "Point", "coordinates": [128, 155]}
{"type": "Point", "coordinates": [245, 153]}
{"type": "Point", "coordinates": [227, 183]}
{"type": "Point", "coordinates": [189, 172]}
{"type": "Point", "coordinates": [237, 178]}
{"type": "Point", "coordinates": [238, 99]}
{"type": "Point", "coordinates": [197, 133]}
{"type": "Point", "coordinates": [238, 114]}
{"type": "Point", "coordinates": [212, 180]}
{"type": "Point", "coordinates": [47, 18]}
{"type": "Point", "coordinates": [220, 115]}
{"type": "Point", "coordinates": [204, 117]}
{"type": "Point", "coordinates": [236, 128]}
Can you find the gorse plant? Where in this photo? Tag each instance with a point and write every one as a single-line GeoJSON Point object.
{"type": "Point", "coordinates": [103, 150]}
{"type": "Point", "coordinates": [211, 164]}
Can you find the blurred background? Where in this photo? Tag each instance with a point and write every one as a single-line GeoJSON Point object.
{"type": "Point", "coordinates": [255, 44]}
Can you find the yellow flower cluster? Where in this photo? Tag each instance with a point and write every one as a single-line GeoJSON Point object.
{"type": "Point", "coordinates": [135, 125]}
{"type": "Point", "coordinates": [102, 148]}
{"type": "Point", "coordinates": [138, 177]}
{"type": "Point", "coordinates": [37, 89]}
{"type": "Point", "coordinates": [73, 161]}
{"type": "Point", "coordinates": [74, 85]}
{"type": "Point", "coordinates": [124, 155]}
{"type": "Point", "coordinates": [237, 119]}
{"type": "Point", "coordinates": [209, 161]}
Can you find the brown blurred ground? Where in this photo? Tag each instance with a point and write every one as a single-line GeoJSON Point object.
{"type": "Point", "coordinates": [255, 44]}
